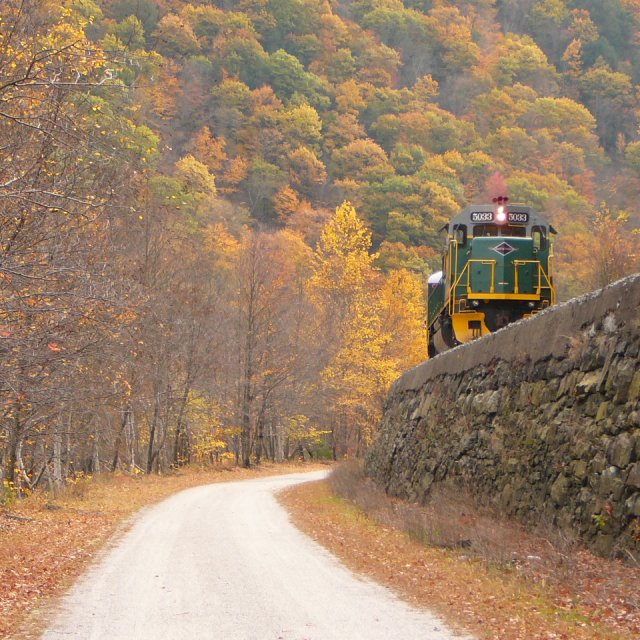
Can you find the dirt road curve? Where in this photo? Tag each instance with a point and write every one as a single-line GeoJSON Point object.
{"type": "Point", "coordinates": [223, 562]}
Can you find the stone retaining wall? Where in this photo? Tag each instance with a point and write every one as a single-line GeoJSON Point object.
{"type": "Point", "coordinates": [542, 419]}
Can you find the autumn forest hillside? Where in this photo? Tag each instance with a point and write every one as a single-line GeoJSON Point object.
{"type": "Point", "coordinates": [404, 109]}
{"type": "Point", "coordinates": [216, 217]}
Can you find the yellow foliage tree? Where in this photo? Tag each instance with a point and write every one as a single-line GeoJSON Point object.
{"type": "Point", "coordinates": [209, 150]}
{"type": "Point", "coordinates": [286, 202]}
{"type": "Point", "coordinates": [195, 178]}
{"type": "Point", "coordinates": [345, 288]}
{"type": "Point", "coordinates": [403, 315]}
{"type": "Point", "coordinates": [343, 264]}
{"type": "Point", "coordinates": [221, 247]}
{"type": "Point", "coordinates": [616, 246]}
{"type": "Point", "coordinates": [236, 172]}
{"type": "Point", "coordinates": [209, 439]}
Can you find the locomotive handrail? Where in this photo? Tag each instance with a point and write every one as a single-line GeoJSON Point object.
{"type": "Point", "coordinates": [467, 285]}
{"type": "Point", "coordinates": [541, 274]}
{"type": "Point", "coordinates": [543, 281]}
{"type": "Point", "coordinates": [492, 263]}
{"type": "Point", "coordinates": [454, 287]}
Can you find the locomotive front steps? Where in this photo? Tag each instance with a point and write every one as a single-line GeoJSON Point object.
{"type": "Point", "coordinates": [541, 419]}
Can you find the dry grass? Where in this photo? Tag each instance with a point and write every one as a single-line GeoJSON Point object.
{"type": "Point", "coordinates": [46, 543]}
{"type": "Point", "coordinates": [452, 519]}
{"type": "Point", "coordinates": [470, 565]}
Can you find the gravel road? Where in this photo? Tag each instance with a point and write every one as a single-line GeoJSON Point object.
{"type": "Point", "coordinates": [224, 562]}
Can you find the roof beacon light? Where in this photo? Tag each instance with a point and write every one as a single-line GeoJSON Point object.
{"type": "Point", "coordinates": [501, 214]}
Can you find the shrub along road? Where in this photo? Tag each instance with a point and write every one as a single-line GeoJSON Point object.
{"type": "Point", "coordinates": [224, 561]}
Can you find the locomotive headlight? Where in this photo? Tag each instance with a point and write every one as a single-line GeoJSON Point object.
{"type": "Point", "coordinates": [501, 214]}
{"type": "Point", "coordinates": [475, 303]}
{"type": "Point", "coordinates": [531, 305]}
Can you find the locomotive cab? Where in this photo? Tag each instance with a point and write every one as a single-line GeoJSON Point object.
{"type": "Point", "coordinates": [497, 269]}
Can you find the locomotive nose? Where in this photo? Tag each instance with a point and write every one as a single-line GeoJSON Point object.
{"type": "Point", "coordinates": [497, 264]}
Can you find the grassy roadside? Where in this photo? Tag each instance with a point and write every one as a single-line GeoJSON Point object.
{"type": "Point", "coordinates": [46, 543]}
{"type": "Point", "coordinates": [489, 599]}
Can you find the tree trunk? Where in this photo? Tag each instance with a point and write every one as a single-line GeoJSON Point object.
{"type": "Point", "coordinates": [56, 475]}
{"type": "Point", "coordinates": [68, 465]}
{"type": "Point", "coordinates": [180, 447]}
{"type": "Point", "coordinates": [95, 454]}
{"type": "Point", "coordinates": [14, 436]}
{"type": "Point", "coordinates": [245, 435]}
{"type": "Point", "coordinates": [123, 425]}
{"type": "Point", "coordinates": [152, 432]}
{"type": "Point", "coordinates": [155, 455]}
{"type": "Point", "coordinates": [22, 474]}
{"type": "Point", "coordinates": [260, 433]}
{"type": "Point", "coordinates": [132, 442]}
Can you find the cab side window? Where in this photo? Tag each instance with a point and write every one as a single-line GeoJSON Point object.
{"type": "Point", "coordinates": [539, 238]}
{"type": "Point", "coordinates": [460, 234]}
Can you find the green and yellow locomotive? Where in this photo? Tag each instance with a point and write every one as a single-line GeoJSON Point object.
{"type": "Point", "coordinates": [497, 269]}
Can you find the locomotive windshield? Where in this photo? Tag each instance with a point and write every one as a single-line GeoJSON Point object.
{"type": "Point", "coordinates": [510, 230]}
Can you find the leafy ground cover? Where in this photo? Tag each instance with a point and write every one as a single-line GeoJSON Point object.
{"type": "Point", "coordinates": [45, 542]}
{"type": "Point", "coordinates": [481, 574]}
